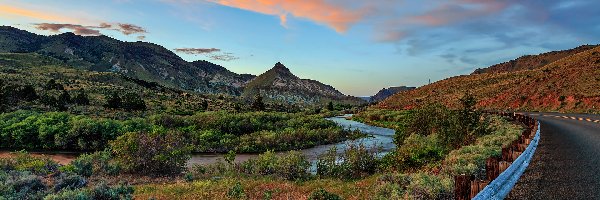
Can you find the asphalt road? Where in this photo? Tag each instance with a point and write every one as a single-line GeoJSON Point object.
{"type": "Point", "coordinates": [566, 163]}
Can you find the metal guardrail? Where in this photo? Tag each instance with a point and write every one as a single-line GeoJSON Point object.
{"type": "Point", "coordinates": [503, 184]}
{"type": "Point", "coordinates": [502, 172]}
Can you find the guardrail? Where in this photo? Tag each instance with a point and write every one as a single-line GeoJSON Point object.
{"type": "Point", "coordinates": [502, 172]}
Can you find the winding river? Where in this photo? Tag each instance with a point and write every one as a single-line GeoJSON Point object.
{"type": "Point", "coordinates": [381, 138]}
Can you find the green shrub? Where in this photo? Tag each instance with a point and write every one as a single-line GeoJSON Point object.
{"type": "Point", "coordinates": [426, 186]}
{"type": "Point", "coordinates": [237, 191]}
{"type": "Point", "coordinates": [22, 185]}
{"type": "Point", "coordinates": [99, 163]}
{"type": "Point", "coordinates": [419, 150]}
{"type": "Point", "coordinates": [292, 166]}
{"type": "Point", "coordinates": [156, 152]}
{"type": "Point", "coordinates": [23, 161]}
{"type": "Point", "coordinates": [119, 192]}
{"type": "Point", "coordinates": [69, 182]}
{"type": "Point", "coordinates": [78, 194]}
{"type": "Point", "coordinates": [355, 162]}
{"type": "Point", "coordinates": [322, 194]}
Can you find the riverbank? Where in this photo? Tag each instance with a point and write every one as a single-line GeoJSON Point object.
{"type": "Point", "coordinates": [376, 139]}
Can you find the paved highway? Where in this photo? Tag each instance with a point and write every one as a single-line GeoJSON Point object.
{"type": "Point", "coordinates": [566, 164]}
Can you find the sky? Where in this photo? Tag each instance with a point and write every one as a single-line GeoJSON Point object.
{"type": "Point", "coordinates": [357, 46]}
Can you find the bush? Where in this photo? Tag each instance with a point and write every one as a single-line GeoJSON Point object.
{"type": "Point", "coordinates": [119, 192]}
{"type": "Point", "coordinates": [156, 152]}
{"type": "Point", "coordinates": [419, 150]}
{"type": "Point", "coordinates": [355, 162]}
{"type": "Point", "coordinates": [100, 191]}
{"type": "Point", "coordinates": [21, 185]}
{"type": "Point", "coordinates": [69, 182]}
{"type": "Point", "coordinates": [78, 194]}
{"type": "Point", "coordinates": [91, 134]}
{"type": "Point", "coordinates": [293, 166]}
{"type": "Point", "coordinates": [414, 186]}
{"type": "Point", "coordinates": [100, 162]}
{"type": "Point", "coordinates": [237, 191]}
{"type": "Point", "coordinates": [322, 194]}
{"type": "Point", "coordinates": [26, 162]}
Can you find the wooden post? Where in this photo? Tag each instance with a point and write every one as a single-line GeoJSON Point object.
{"type": "Point", "coordinates": [492, 168]}
{"type": "Point", "coordinates": [462, 187]}
{"type": "Point", "coordinates": [504, 165]}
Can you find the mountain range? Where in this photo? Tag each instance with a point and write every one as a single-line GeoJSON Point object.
{"type": "Point", "coordinates": [566, 81]}
{"type": "Point", "coordinates": [154, 63]}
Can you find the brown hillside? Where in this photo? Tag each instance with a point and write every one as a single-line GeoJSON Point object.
{"type": "Point", "coordinates": [529, 62]}
{"type": "Point", "coordinates": [571, 84]}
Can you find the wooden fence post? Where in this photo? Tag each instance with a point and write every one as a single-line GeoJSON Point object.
{"type": "Point", "coordinates": [462, 187]}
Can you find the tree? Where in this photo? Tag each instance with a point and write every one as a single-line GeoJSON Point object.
{"type": "Point", "coordinates": [27, 93]}
{"type": "Point", "coordinates": [52, 85]}
{"type": "Point", "coordinates": [133, 101]}
{"type": "Point", "coordinates": [81, 98]}
{"type": "Point", "coordinates": [113, 100]}
{"type": "Point", "coordinates": [258, 104]}
{"type": "Point", "coordinates": [204, 105]}
{"type": "Point", "coordinates": [330, 106]}
{"type": "Point", "coordinates": [65, 97]}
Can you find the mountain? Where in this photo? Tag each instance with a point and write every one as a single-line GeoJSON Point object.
{"type": "Point", "coordinates": [387, 92]}
{"type": "Point", "coordinates": [280, 85]}
{"type": "Point", "coordinates": [140, 60]}
{"type": "Point", "coordinates": [569, 84]}
{"type": "Point", "coordinates": [533, 61]}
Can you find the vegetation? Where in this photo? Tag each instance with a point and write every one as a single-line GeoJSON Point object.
{"type": "Point", "coordinates": [26, 177]}
{"type": "Point", "coordinates": [206, 131]}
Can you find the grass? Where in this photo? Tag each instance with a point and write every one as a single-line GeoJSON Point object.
{"type": "Point", "coordinates": [257, 188]}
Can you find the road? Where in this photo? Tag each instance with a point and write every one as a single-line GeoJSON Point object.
{"type": "Point", "coordinates": [566, 164]}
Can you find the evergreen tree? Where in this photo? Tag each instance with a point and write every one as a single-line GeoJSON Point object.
{"type": "Point", "coordinates": [27, 93]}
{"type": "Point", "coordinates": [204, 105]}
{"type": "Point", "coordinates": [65, 97]}
{"type": "Point", "coordinates": [330, 106]}
{"type": "Point", "coordinates": [52, 85]}
{"type": "Point", "coordinates": [258, 104]}
{"type": "Point", "coordinates": [113, 100]}
{"type": "Point", "coordinates": [81, 98]}
{"type": "Point", "coordinates": [132, 101]}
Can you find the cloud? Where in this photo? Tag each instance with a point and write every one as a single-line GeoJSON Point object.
{"type": "Point", "coordinates": [224, 57]}
{"type": "Point", "coordinates": [458, 10]}
{"type": "Point", "coordinates": [195, 51]}
{"type": "Point", "coordinates": [77, 29]}
{"type": "Point", "coordinates": [129, 29]}
{"type": "Point", "coordinates": [212, 53]}
{"type": "Point", "coordinates": [336, 16]}
{"type": "Point", "coordinates": [126, 29]}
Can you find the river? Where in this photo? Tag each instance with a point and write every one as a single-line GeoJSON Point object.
{"type": "Point", "coordinates": [381, 138]}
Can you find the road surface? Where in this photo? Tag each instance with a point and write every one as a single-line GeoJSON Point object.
{"type": "Point", "coordinates": [566, 164]}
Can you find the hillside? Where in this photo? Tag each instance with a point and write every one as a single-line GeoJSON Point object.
{"type": "Point", "coordinates": [49, 79]}
{"type": "Point", "coordinates": [280, 85]}
{"type": "Point", "coordinates": [387, 92]}
{"type": "Point", "coordinates": [569, 84]}
{"type": "Point", "coordinates": [529, 62]}
{"type": "Point", "coordinates": [140, 60]}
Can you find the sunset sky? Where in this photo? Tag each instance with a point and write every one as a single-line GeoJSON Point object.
{"type": "Point", "coordinates": [357, 46]}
